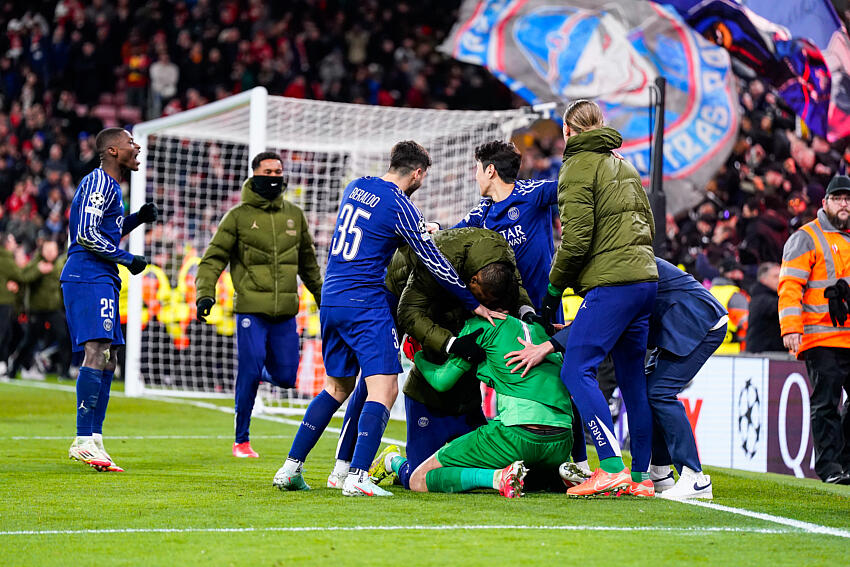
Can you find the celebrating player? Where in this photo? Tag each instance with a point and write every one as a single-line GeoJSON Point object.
{"type": "Point", "coordinates": [520, 210]}
{"type": "Point", "coordinates": [264, 234]}
{"type": "Point", "coordinates": [358, 329]}
{"type": "Point", "coordinates": [535, 415]}
{"type": "Point", "coordinates": [90, 285]}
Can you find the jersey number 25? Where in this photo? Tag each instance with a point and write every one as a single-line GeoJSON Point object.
{"type": "Point", "coordinates": [350, 235]}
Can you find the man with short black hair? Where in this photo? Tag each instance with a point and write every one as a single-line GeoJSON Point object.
{"type": "Point", "coordinates": [520, 210]}
{"type": "Point", "coordinates": [90, 285]}
{"type": "Point", "coordinates": [375, 217]}
{"type": "Point", "coordinates": [266, 241]}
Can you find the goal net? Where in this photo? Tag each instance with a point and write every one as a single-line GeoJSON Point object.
{"type": "Point", "coordinates": [193, 166]}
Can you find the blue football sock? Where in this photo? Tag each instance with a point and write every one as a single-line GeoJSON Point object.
{"type": "Point", "coordinates": [318, 416]}
{"type": "Point", "coordinates": [88, 389]}
{"type": "Point", "coordinates": [370, 429]}
{"type": "Point", "coordinates": [102, 401]}
{"type": "Point", "coordinates": [348, 437]}
{"type": "Point", "coordinates": [403, 470]}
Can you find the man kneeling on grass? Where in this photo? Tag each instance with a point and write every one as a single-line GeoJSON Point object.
{"type": "Point", "coordinates": [534, 427]}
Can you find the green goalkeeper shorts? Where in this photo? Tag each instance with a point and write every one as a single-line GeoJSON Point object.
{"type": "Point", "coordinates": [494, 446]}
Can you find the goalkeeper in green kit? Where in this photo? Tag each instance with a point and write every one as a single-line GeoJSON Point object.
{"type": "Point", "coordinates": [534, 426]}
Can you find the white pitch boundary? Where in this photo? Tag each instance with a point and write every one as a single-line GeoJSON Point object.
{"type": "Point", "coordinates": [198, 404]}
{"type": "Point", "coordinates": [572, 528]}
{"type": "Point", "coordinates": [790, 522]}
{"type": "Point", "coordinates": [806, 526]}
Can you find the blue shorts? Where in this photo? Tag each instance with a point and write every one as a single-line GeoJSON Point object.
{"type": "Point", "coordinates": [359, 338]}
{"type": "Point", "coordinates": [91, 310]}
{"type": "Point", "coordinates": [428, 431]}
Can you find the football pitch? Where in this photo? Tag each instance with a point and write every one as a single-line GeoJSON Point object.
{"type": "Point", "coordinates": [185, 500]}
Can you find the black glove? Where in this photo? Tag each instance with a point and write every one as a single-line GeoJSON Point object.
{"type": "Point", "coordinates": [466, 348]}
{"type": "Point", "coordinates": [838, 296]}
{"type": "Point", "coordinates": [148, 213]}
{"type": "Point", "coordinates": [137, 265]}
{"type": "Point", "coordinates": [549, 306]}
{"type": "Point", "coordinates": [204, 306]}
{"type": "Point", "coordinates": [531, 318]}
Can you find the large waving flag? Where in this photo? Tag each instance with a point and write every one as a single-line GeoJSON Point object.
{"type": "Point", "coordinates": [611, 51]}
{"type": "Point", "coordinates": [817, 21]}
{"type": "Point", "coordinates": [793, 66]}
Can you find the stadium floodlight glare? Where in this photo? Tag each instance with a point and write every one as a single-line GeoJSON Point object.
{"type": "Point", "coordinates": [193, 165]}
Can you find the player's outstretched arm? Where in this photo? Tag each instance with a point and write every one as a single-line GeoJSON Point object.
{"type": "Point", "coordinates": [411, 227]}
{"type": "Point", "coordinates": [441, 377]}
{"type": "Point", "coordinates": [147, 213]}
{"type": "Point", "coordinates": [216, 257]}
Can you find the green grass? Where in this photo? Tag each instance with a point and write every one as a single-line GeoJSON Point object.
{"type": "Point", "coordinates": [195, 483]}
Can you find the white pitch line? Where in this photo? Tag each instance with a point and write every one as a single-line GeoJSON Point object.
{"type": "Point", "coordinates": [805, 526]}
{"type": "Point", "coordinates": [573, 528]}
{"type": "Point", "coordinates": [204, 405]}
{"type": "Point", "coordinates": [140, 437]}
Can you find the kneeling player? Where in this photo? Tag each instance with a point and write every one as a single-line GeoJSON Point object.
{"type": "Point", "coordinates": [534, 427]}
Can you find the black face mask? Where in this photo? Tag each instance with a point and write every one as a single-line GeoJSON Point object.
{"type": "Point", "coordinates": [268, 186]}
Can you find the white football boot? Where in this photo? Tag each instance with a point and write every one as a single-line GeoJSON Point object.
{"type": "Point", "coordinates": [573, 474]}
{"type": "Point", "coordinates": [98, 442]}
{"type": "Point", "coordinates": [337, 477]}
{"type": "Point", "coordinates": [359, 484]}
{"type": "Point", "coordinates": [83, 449]}
{"type": "Point", "coordinates": [290, 477]}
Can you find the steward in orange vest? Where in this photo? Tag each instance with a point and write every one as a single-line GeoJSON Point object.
{"type": "Point", "coordinates": [814, 260]}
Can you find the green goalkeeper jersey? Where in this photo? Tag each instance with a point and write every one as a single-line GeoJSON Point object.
{"type": "Point", "coordinates": [538, 399]}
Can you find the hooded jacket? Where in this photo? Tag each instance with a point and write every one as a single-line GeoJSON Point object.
{"type": "Point", "coordinates": [267, 245]}
{"type": "Point", "coordinates": [607, 224]}
{"type": "Point", "coordinates": [432, 316]}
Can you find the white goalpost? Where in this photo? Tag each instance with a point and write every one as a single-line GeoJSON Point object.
{"type": "Point", "coordinates": [193, 165]}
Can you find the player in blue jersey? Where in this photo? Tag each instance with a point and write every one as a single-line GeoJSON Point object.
{"type": "Point", "coordinates": [90, 285]}
{"type": "Point", "coordinates": [518, 209]}
{"type": "Point", "coordinates": [521, 210]}
{"type": "Point", "coordinates": [358, 328]}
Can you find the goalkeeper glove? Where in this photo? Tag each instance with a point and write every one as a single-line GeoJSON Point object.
{"type": "Point", "coordinates": [137, 265]}
{"type": "Point", "coordinates": [531, 318]}
{"type": "Point", "coordinates": [467, 348]}
{"type": "Point", "coordinates": [204, 305]}
{"type": "Point", "coordinates": [148, 213]}
{"type": "Point", "coordinates": [551, 302]}
{"type": "Point", "coordinates": [838, 296]}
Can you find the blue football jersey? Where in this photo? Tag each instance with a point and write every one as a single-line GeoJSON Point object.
{"type": "Point", "coordinates": [96, 224]}
{"type": "Point", "coordinates": [525, 220]}
{"type": "Point", "coordinates": [374, 219]}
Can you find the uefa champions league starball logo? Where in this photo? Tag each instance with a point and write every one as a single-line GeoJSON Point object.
{"type": "Point", "coordinates": [749, 418]}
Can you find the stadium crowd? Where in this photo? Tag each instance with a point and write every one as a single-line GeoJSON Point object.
{"type": "Point", "coordinates": [68, 69]}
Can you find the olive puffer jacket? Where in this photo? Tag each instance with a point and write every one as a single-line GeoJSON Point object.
{"type": "Point", "coordinates": [605, 217]}
{"type": "Point", "coordinates": [267, 244]}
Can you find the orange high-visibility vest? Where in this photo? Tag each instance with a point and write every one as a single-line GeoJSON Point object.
{"type": "Point", "coordinates": [814, 258]}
